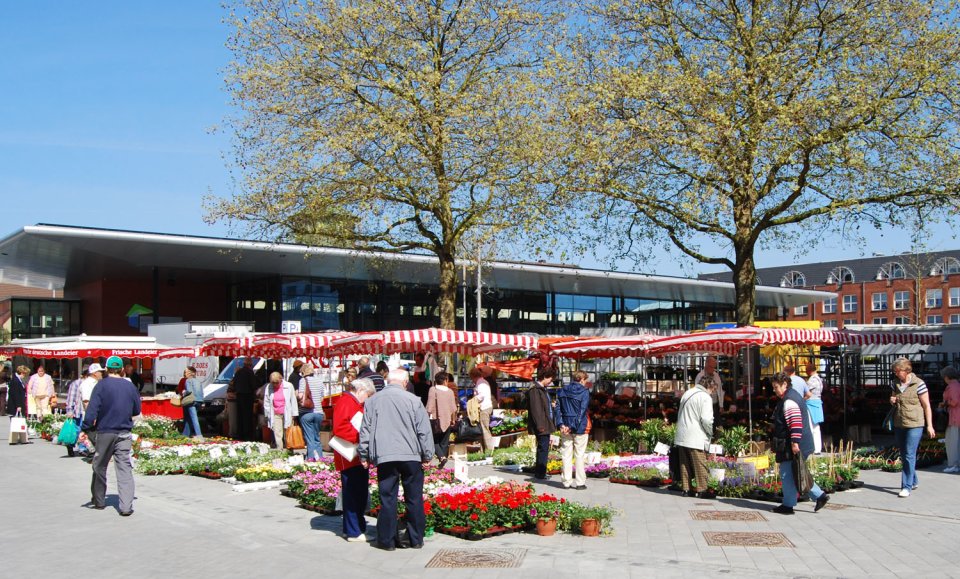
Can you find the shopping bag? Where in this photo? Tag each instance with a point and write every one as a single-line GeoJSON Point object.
{"type": "Point", "coordinates": [18, 429]}
{"type": "Point", "coordinates": [888, 421]}
{"type": "Point", "coordinates": [68, 433]}
{"type": "Point", "coordinates": [293, 438]}
{"type": "Point", "coordinates": [801, 474]}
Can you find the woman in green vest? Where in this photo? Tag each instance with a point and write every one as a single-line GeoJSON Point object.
{"type": "Point", "coordinates": [912, 411]}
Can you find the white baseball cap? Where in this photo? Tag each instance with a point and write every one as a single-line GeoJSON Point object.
{"type": "Point", "coordinates": [95, 368]}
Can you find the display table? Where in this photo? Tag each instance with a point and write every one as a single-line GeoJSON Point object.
{"type": "Point", "coordinates": [160, 405]}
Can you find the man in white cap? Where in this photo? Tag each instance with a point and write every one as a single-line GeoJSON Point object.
{"type": "Point", "coordinates": [94, 375]}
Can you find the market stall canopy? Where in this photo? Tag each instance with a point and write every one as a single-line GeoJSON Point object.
{"type": "Point", "coordinates": [84, 346]}
{"type": "Point", "coordinates": [455, 342]}
{"type": "Point", "coordinates": [730, 340]}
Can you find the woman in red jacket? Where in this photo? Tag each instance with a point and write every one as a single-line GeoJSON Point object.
{"type": "Point", "coordinates": [354, 478]}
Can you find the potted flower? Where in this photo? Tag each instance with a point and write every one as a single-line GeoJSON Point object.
{"type": "Point", "coordinates": [544, 514]}
{"type": "Point", "coordinates": [590, 520]}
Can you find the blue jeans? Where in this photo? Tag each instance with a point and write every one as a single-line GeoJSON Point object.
{"type": "Point", "coordinates": [790, 486]}
{"type": "Point", "coordinates": [310, 423]}
{"type": "Point", "coordinates": [354, 482]}
{"type": "Point", "coordinates": [390, 476]}
{"type": "Point", "coordinates": [190, 421]}
{"type": "Point", "coordinates": [908, 439]}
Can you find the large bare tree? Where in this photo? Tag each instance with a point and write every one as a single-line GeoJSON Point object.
{"type": "Point", "coordinates": [394, 125]}
{"type": "Point", "coordinates": [724, 125]}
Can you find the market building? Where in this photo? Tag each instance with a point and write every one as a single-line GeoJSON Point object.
{"type": "Point", "coordinates": [115, 282]}
{"type": "Point", "coordinates": [905, 289]}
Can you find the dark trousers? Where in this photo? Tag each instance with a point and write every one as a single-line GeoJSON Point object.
{"type": "Point", "coordinates": [247, 422]}
{"type": "Point", "coordinates": [543, 454]}
{"type": "Point", "coordinates": [391, 475]}
{"type": "Point", "coordinates": [354, 483]}
{"type": "Point", "coordinates": [441, 443]}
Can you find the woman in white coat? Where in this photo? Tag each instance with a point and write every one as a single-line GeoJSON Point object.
{"type": "Point", "coordinates": [279, 406]}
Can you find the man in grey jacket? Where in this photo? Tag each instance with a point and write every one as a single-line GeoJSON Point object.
{"type": "Point", "coordinates": [694, 429]}
{"type": "Point", "coordinates": [395, 435]}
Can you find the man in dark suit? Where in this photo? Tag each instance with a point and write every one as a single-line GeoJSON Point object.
{"type": "Point", "coordinates": [17, 392]}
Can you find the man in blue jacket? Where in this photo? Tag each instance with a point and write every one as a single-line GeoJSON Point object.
{"type": "Point", "coordinates": [113, 404]}
{"type": "Point", "coordinates": [573, 400]}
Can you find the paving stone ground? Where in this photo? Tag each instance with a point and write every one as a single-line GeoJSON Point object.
{"type": "Point", "coordinates": [191, 527]}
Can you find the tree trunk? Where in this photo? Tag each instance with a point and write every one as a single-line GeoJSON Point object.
{"type": "Point", "coordinates": [744, 285]}
{"type": "Point", "coordinates": [448, 291]}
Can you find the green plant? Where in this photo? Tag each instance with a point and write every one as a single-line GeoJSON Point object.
{"type": "Point", "coordinates": [734, 440]}
{"type": "Point", "coordinates": [601, 513]}
{"type": "Point", "coordinates": [609, 448]}
{"type": "Point", "coordinates": [628, 439]}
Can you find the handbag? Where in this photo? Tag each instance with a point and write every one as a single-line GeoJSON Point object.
{"type": "Point", "coordinates": [467, 432]}
{"type": "Point", "coordinates": [435, 426]}
{"type": "Point", "coordinates": [801, 474]}
{"type": "Point", "coordinates": [307, 398]}
{"type": "Point", "coordinates": [187, 399]}
{"type": "Point", "coordinates": [941, 419]}
{"type": "Point", "coordinates": [888, 421]}
{"type": "Point", "coordinates": [68, 432]}
{"type": "Point", "coordinates": [293, 438]}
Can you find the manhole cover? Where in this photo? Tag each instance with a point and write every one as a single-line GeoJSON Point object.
{"type": "Point", "coordinates": [727, 516]}
{"type": "Point", "coordinates": [726, 539]}
{"type": "Point", "coordinates": [477, 558]}
{"type": "Point", "coordinates": [836, 507]}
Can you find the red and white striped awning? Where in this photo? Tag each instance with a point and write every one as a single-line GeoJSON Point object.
{"type": "Point", "coordinates": [227, 346]}
{"type": "Point", "coordinates": [455, 342]}
{"type": "Point", "coordinates": [603, 347]}
{"type": "Point", "coordinates": [864, 338]}
{"type": "Point", "coordinates": [726, 342]}
{"type": "Point", "coordinates": [295, 345]}
{"type": "Point", "coordinates": [185, 352]}
{"type": "Point", "coordinates": [801, 336]}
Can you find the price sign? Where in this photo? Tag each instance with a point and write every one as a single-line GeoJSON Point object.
{"type": "Point", "coordinates": [216, 452]}
{"type": "Point", "coordinates": [231, 452]}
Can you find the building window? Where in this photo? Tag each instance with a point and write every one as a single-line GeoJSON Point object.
{"type": "Point", "coordinates": [945, 266]}
{"type": "Point", "coordinates": [955, 297]}
{"type": "Point", "coordinates": [800, 311]}
{"type": "Point", "coordinates": [829, 323]}
{"type": "Point", "coordinates": [935, 319]}
{"type": "Point", "coordinates": [880, 302]}
{"type": "Point", "coordinates": [793, 279]}
{"type": "Point", "coordinates": [849, 304]}
{"type": "Point", "coordinates": [901, 300]}
{"type": "Point", "coordinates": [830, 306]}
{"type": "Point", "coordinates": [840, 275]}
{"type": "Point", "coordinates": [901, 320]}
{"type": "Point", "coordinates": [935, 298]}
{"type": "Point", "coordinates": [849, 322]}
{"type": "Point", "coordinates": [891, 270]}
{"type": "Point", "coordinates": [879, 320]}
{"type": "Point", "coordinates": [955, 318]}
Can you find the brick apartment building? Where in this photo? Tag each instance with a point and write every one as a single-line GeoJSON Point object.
{"type": "Point", "coordinates": [910, 288]}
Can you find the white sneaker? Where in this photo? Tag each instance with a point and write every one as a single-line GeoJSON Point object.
{"type": "Point", "coordinates": [904, 493]}
{"type": "Point", "coordinates": [951, 469]}
{"type": "Point", "coordinates": [357, 539]}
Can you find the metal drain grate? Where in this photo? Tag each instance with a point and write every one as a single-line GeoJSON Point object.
{"type": "Point", "coordinates": [728, 539]}
{"type": "Point", "coordinates": [477, 558]}
{"type": "Point", "coordinates": [750, 516]}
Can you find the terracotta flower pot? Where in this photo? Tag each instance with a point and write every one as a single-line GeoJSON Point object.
{"type": "Point", "coordinates": [590, 527]}
{"type": "Point", "coordinates": [546, 528]}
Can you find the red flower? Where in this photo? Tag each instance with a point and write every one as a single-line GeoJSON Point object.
{"type": "Point", "coordinates": [474, 517]}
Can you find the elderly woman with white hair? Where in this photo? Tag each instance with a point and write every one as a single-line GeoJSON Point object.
{"type": "Point", "coordinates": [951, 401]}
{"type": "Point", "coordinates": [354, 477]}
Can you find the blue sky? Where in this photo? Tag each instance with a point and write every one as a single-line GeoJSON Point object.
{"type": "Point", "coordinates": [106, 114]}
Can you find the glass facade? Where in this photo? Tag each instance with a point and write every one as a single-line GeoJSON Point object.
{"type": "Point", "coordinates": [37, 318]}
{"type": "Point", "coordinates": [330, 304]}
